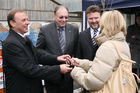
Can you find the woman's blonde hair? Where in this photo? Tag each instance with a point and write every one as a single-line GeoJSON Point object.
{"type": "Point", "coordinates": [112, 22]}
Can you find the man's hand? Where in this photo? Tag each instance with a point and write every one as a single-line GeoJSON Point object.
{"type": "Point", "coordinates": [63, 58]}
{"type": "Point", "coordinates": [72, 62]}
{"type": "Point", "coordinates": [64, 68]}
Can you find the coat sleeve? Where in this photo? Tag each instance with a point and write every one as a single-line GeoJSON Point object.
{"type": "Point", "coordinates": [42, 53]}
{"type": "Point", "coordinates": [100, 70]}
{"type": "Point", "coordinates": [15, 57]}
{"type": "Point", "coordinates": [41, 39]}
{"type": "Point", "coordinates": [79, 50]}
{"type": "Point", "coordinates": [76, 37]}
{"type": "Point", "coordinates": [46, 59]}
{"type": "Point", "coordinates": [84, 63]}
{"type": "Point", "coordinates": [130, 33]}
{"type": "Point", "coordinates": [41, 42]}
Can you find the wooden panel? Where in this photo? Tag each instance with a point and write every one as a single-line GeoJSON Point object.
{"type": "Point", "coordinates": [36, 9]}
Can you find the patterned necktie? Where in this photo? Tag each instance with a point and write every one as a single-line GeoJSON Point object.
{"type": "Point", "coordinates": [61, 38]}
{"type": "Point", "coordinates": [94, 35]}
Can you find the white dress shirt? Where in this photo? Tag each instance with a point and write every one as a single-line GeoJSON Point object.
{"type": "Point", "coordinates": [92, 32]}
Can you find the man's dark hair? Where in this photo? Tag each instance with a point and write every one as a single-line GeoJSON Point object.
{"type": "Point", "coordinates": [11, 15]}
{"type": "Point", "coordinates": [58, 7]}
{"type": "Point", "coordinates": [92, 9]}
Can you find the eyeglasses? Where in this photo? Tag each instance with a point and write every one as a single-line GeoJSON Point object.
{"type": "Point", "coordinates": [13, 20]}
{"type": "Point", "coordinates": [61, 17]}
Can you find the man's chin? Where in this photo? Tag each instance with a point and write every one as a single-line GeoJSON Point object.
{"type": "Point", "coordinates": [62, 25]}
{"type": "Point", "coordinates": [26, 31]}
{"type": "Point", "coordinates": [94, 27]}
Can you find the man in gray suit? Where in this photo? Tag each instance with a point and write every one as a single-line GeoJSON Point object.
{"type": "Point", "coordinates": [59, 38]}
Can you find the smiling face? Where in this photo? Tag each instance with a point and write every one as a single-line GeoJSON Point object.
{"type": "Point", "coordinates": [20, 23]}
{"type": "Point", "coordinates": [61, 17]}
{"type": "Point", "coordinates": [93, 19]}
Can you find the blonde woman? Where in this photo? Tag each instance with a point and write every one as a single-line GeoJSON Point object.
{"type": "Point", "coordinates": [92, 75]}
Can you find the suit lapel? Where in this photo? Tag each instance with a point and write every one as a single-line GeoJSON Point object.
{"type": "Point", "coordinates": [18, 37]}
{"type": "Point", "coordinates": [23, 42]}
{"type": "Point", "coordinates": [89, 40]}
{"type": "Point", "coordinates": [54, 36]}
{"type": "Point", "coordinates": [68, 33]}
{"type": "Point", "coordinates": [32, 48]}
{"type": "Point", "coordinates": [89, 37]}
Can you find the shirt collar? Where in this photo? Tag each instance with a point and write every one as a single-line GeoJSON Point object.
{"type": "Point", "coordinates": [60, 28]}
{"type": "Point", "coordinates": [20, 34]}
{"type": "Point", "coordinates": [94, 29]}
{"type": "Point", "coordinates": [92, 32]}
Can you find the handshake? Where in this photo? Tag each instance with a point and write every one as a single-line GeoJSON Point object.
{"type": "Point", "coordinates": [70, 63]}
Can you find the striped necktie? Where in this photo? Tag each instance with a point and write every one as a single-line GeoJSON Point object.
{"type": "Point", "coordinates": [94, 35]}
{"type": "Point", "coordinates": [61, 38]}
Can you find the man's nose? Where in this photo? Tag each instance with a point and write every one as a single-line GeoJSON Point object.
{"type": "Point", "coordinates": [93, 20]}
{"type": "Point", "coordinates": [27, 22]}
{"type": "Point", "coordinates": [64, 19]}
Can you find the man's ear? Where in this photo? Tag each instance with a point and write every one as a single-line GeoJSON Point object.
{"type": "Point", "coordinates": [12, 22]}
{"type": "Point", "coordinates": [54, 16]}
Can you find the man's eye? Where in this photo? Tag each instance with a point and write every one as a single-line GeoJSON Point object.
{"type": "Point", "coordinates": [61, 17]}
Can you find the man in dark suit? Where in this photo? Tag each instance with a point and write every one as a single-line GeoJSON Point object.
{"type": "Point", "coordinates": [133, 38]}
{"type": "Point", "coordinates": [21, 67]}
{"type": "Point", "coordinates": [59, 38]}
{"type": "Point", "coordinates": [86, 45]}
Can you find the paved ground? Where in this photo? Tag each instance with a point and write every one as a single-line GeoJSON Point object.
{"type": "Point", "coordinates": [77, 88]}
{"type": "Point", "coordinates": [75, 91]}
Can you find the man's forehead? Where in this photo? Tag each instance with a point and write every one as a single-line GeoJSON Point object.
{"type": "Point", "coordinates": [20, 14]}
{"type": "Point", "coordinates": [61, 9]}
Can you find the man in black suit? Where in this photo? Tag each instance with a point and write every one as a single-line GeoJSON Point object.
{"type": "Point", "coordinates": [86, 44]}
{"type": "Point", "coordinates": [21, 67]}
{"type": "Point", "coordinates": [59, 38]}
{"type": "Point", "coordinates": [133, 38]}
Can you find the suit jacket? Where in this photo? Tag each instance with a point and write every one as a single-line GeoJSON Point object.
{"type": "Point", "coordinates": [48, 41]}
{"type": "Point", "coordinates": [21, 66]}
{"type": "Point", "coordinates": [134, 30]}
{"type": "Point", "coordinates": [86, 49]}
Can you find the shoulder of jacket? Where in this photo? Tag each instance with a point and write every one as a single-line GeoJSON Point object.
{"type": "Point", "coordinates": [132, 26]}
{"type": "Point", "coordinates": [85, 31]}
{"type": "Point", "coordinates": [71, 26]}
{"type": "Point", "coordinates": [47, 26]}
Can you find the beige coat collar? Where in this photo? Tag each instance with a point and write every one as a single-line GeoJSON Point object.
{"type": "Point", "coordinates": [101, 39]}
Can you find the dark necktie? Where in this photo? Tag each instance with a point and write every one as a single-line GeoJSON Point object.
{"type": "Point", "coordinates": [28, 42]}
{"type": "Point", "coordinates": [94, 35]}
{"type": "Point", "coordinates": [61, 38]}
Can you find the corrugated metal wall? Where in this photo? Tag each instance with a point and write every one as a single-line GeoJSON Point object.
{"type": "Point", "coordinates": [38, 10]}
